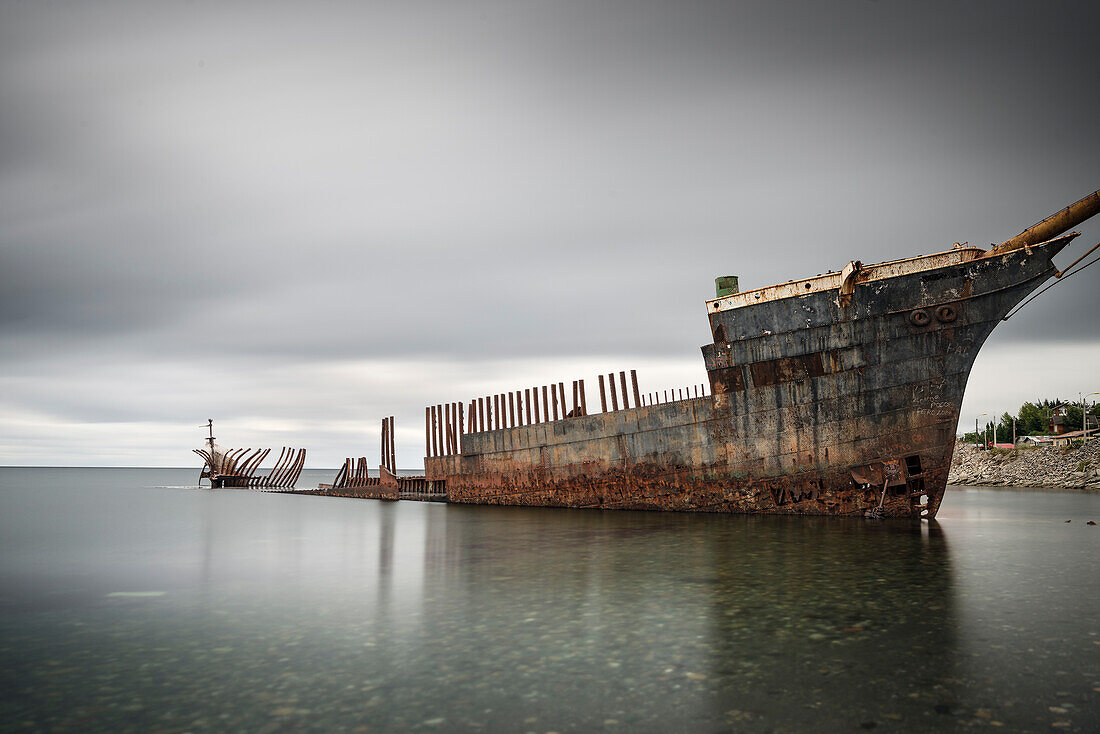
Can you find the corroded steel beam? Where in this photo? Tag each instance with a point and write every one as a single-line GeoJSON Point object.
{"type": "Point", "coordinates": [448, 438]}
{"type": "Point", "coordinates": [255, 463]}
{"type": "Point", "coordinates": [384, 448]}
{"type": "Point", "coordinates": [461, 424]}
{"type": "Point", "coordinates": [437, 430]}
{"type": "Point", "coordinates": [1054, 225]}
{"type": "Point", "coordinates": [296, 471]}
{"type": "Point", "coordinates": [284, 454]}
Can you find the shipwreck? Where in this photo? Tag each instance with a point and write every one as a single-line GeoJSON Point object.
{"type": "Point", "coordinates": [837, 394]}
{"type": "Point", "coordinates": [225, 468]}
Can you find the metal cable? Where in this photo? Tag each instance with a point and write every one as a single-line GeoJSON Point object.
{"type": "Point", "coordinates": [1036, 295]}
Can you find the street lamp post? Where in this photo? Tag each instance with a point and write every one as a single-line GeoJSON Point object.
{"type": "Point", "coordinates": [1085, 418]}
{"type": "Point", "coordinates": [976, 427]}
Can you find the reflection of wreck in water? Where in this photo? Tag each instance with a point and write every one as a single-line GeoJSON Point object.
{"type": "Point", "coordinates": [832, 395]}
{"type": "Point", "coordinates": [830, 616]}
{"type": "Point", "coordinates": [238, 467]}
{"type": "Point", "coordinates": [799, 624]}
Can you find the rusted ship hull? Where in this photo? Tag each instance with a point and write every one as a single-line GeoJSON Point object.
{"type": "Point", "coordinates": [237, 468]}
{"type": "Point", "coordinates": [840, 400]}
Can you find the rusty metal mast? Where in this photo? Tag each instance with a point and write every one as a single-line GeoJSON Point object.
{"type": "Point", "coordinates": [1054, 225]}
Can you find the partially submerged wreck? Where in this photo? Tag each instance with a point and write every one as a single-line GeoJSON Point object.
{"type": "Point", "coordinates": [832, 395]}
{"type": "Point", "coordinates": [239, 467]}
{"type": "Point", "coordinates": [354, 480]}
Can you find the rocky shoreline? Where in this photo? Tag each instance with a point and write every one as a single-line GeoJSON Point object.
{"type": "Point", "coordinates": [1046, 466]}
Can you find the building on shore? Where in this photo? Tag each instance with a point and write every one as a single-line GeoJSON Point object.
{"type": "Point", "coordinates": [1060, 423]}
{"type": "Point", "coordinates": [1034, 440]}
{"type": "Point", "coordinates": [1065, 439]}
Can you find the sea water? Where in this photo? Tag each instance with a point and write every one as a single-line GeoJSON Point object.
{"type": "Point", "coordinates": [132, 601]}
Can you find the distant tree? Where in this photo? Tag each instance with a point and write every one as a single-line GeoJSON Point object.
{"type": "Point", "coordinates": [1073, 418]}
{"type": "Point", "coordinates": [1032, 420]}
{"type": "Point", "coordinates": [1035, 416]}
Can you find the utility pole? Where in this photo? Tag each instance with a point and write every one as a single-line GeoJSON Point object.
{"type": "Point", "coordinates": [977, 436]}
{"type": "Point", "coordinates": [1013, 431]}
{"type": "Point", "coordinates": [1085, 418]}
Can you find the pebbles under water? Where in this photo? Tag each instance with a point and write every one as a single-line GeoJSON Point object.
{"type": "Point", "coordinates": [131, 606]}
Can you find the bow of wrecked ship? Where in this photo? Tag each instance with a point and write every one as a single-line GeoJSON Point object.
{"type": "Point", "coordinates": [837, 394]}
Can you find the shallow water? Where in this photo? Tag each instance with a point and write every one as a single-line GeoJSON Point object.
{"type": "Point", "coordinates": [129, 602]}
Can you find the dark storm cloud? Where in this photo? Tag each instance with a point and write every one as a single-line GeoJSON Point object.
{"type": "Point", "coordinates": [293, 184]}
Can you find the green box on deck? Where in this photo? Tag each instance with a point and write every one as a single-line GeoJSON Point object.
{"type": "Point", "coordinates": [725, 285]}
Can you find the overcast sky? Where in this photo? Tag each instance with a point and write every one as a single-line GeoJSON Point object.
{"type": "Point", "coordinates": [297, 218]}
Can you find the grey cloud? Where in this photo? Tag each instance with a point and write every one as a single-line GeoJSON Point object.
{"type": "Point", "coordinates": [460, 182]}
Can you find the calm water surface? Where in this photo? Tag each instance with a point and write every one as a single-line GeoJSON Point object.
{"type": "Point", "coordinates": [129, 602]}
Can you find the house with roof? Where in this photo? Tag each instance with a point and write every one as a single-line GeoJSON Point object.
{"type": "Point", "coordinates": [1069, 437]}
{"type": "Point", "coordinates": [1059, 420]}
{"type": "Point", "coordinates": [1034, 441]}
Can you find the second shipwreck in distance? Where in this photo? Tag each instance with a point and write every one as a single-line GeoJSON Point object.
{"type": "Point", "coordinates": [833, 395]}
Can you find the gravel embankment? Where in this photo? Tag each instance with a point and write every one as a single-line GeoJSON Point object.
{"type": "Point", "coordinates": [1047, 466]}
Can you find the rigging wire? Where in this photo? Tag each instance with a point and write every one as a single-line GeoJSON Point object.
{"type": "Point", "coordinates": [1051, 285]}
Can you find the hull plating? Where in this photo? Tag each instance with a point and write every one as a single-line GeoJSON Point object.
{"type": "Point", "coordinates": [822, 404]}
